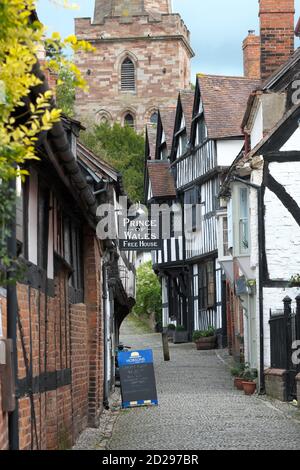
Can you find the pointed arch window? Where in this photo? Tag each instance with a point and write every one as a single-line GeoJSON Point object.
{"type": "Point", "coordinates": [128, 75]}
{"type": "Point", "coordinates": [129, 120]}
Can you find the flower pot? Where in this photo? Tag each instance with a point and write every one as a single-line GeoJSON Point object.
{"type": "Point", "coordinates": [249, 388]}
{"type": "Point", "coordinates": [238, 383]}
{"type": "Point", "coordinates": [180, 337]}
{"type": "Point", "coordinates": [206, 344]}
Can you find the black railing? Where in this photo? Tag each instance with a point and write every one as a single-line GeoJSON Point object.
{"type": "Point", "coordinates": [285, 331]}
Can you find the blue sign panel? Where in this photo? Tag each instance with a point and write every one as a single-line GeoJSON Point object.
{"type": "Point", "coordinates": [137, 376]}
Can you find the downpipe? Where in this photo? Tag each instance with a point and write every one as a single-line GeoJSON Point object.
{"type": "Point", "coordinates": [105, 297]}
{"type": "Point", "coordinates": [12, 312]}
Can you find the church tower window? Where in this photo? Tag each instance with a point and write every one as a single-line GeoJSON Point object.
{"type": "Point", "coordinates": [128, 75]}
{"type": "Point", "coordinates": [129, 120]}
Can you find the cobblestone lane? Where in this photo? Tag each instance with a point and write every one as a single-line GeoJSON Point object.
{"type": "Point", "coordinates": [199, 408]}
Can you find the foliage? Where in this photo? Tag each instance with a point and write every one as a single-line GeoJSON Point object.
{"type": "Point", "coordinates": [249, 374]}
{"type": "Point", "coordinates": [210, 332]}
{"type": "Point", "coordinates": [123, 148]}
{"type": "Point", "coordinates": [295, 281]}
{"type": "Point", "coordinates": [237, 370]}
{"type": "Point", "coordinates": [171, 327]}
{"type": "Point", "coordinates": [23, 119]}
{"type": "Point", "coordinates": [148, 298]}
{"type": "Point", "coordinates": [180, 328]}
{"type": "Point", "coordinates": [66, 90]}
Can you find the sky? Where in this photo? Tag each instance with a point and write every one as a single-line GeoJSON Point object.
{"type": "Point", "coordinates": [217, 27]}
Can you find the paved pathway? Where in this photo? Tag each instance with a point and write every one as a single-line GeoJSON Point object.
{"type": "Point", "coordinates": [199, 408]}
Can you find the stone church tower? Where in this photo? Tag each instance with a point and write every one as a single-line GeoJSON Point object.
{"type": "Point", "coordinates": [142, 61]}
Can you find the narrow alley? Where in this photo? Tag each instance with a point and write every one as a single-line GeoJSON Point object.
{"type": "Point", "coordinates": [198, 407]}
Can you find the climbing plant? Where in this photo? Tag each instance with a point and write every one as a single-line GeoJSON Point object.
{"type": "Point", "coordinates": [22, 37]}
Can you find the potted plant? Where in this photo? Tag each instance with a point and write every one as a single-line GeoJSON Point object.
{"type": "Point", "coordinates": [237, 372]}
{"type": "Point", "coordinates": [205, 340]}
{"type": "Point", "coordinates": [249, 380]}
{"type": "Point", "coordinates": [295, 281]}
{"type": "Point", "coordinates": [180, 335]}
{"type": "Point", "coordinates": [171, 331]}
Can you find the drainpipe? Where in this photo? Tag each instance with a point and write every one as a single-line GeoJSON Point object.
{"type": "Point", "coordinates": [105, 297]}
{"type": "Point", "coordinates": [260, 213]}
{"type": "Point", "coordinates": [12, 312]}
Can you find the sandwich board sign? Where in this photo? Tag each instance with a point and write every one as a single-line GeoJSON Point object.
{"type": "Point", "coordinates": [138, 385]}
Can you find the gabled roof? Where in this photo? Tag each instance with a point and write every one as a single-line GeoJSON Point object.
{"type": "Point", "coordinates": [151, 136]}
{"type": "Point", "coordinates": [224, 101]}
{"type": "Point", "coordinates": [167, 118]}
{"type": "Point", "coordinates": [186, 98]}
{"type": "Point", "coordinates": [161, 179]}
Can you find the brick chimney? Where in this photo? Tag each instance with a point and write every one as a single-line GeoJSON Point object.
{"type": "Point", "coordinates": [277, 34]}
{"type": "Point", "coordinates": [251, 49]}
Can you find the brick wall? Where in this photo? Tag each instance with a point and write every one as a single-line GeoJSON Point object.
{"type": "Point", "coordinates": [93, 301]}
{"type": "Point", "coordinates": [277, 34]}
{"type": "Point", "coordinates": [60, 337]}
{"type": "Point", "coordinates": [3, 416]}
{"type": "Point", "coordinates": [161, 53]}
{"type": "Point", "coordinates": [251, 50]}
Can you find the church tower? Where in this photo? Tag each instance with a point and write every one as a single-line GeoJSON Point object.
{"type": "Point", "coordinates": [142, 60]}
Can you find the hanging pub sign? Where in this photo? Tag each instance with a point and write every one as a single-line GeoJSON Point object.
{"type": "Point", "coordinates": [138, 385]}
{"type": "Point", "coordinates": [139, 234]}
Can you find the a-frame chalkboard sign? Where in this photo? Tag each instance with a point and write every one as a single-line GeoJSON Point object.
{"type": "Point", "coordinates": [138, 386]}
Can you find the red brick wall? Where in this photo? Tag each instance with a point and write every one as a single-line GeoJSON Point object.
{"type": "Point", "coordinates": [80, 370]}
{"type": "Point", "coordinates": [277, 34]}
{"type": "Point", "coordinates": [60, 336]}
{"type": "Point", "coordinates": [93, 301]}
{"type": "Point", "coordinates": [251, 49]}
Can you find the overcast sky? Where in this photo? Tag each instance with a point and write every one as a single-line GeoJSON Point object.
{"type": "Point", "coordinates": [217, 28]}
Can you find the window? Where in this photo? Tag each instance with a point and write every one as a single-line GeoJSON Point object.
{"type": "Point", "coordinates": [154, 118]}
{"type": "Point", "coordinates": [192, 201]}
{"type": "Point", "coordinates": [182, 144]}
{"type": "Point", "coordinates": [127, 75]}
{"type": "Point", "coordinates": [201, 133]}
{"type": "Point", "coordinates": [243, 221]}
{"type": "Point", "coordinates": [206, 283]}
{"type": "Point", "coordinates": [225, 247]}
{"type": "Point", "coordinates": [43, 226]}
{"type": "Point", "coordinates": [129, 120]}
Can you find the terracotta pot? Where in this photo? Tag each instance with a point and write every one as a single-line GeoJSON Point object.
{"type": "Point", "coordinates": [238, 383]}
{"type": "Point", "coordinates": [206, 344]}
{"type": "Point", "coordinates": [249, 388]}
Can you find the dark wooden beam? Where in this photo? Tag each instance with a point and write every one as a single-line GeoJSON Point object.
{"type": "Point", "coordinates": [282, 157]}
{"type": "Point", "coordinates": [283, 196]}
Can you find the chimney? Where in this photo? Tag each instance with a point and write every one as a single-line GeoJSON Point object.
{"type": "Point", "coordinates": [251, 49]}
{"type": "Point", "coordinates": [277, 34]}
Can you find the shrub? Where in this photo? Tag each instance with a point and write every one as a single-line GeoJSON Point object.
{"type": "Point", "coordinates": [210, 332]}
{"type": "Point", "coordinates": [180, 328]}
{"type": "Point", "coordinates": [171, 327]}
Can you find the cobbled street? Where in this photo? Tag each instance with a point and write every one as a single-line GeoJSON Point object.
{"type": "Point", "coordinates": [198, 407]}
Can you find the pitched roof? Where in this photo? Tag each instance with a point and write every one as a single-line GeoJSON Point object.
{"type": "Point", "coordinates": [151, 137]}
{"type": "Point", "coordinates": [162, 181]}
{"type": "Point", "coordinates": [187, 103]}
{"type": "Point", "coordinates": [224, 101]}
{"type": "Point", "coordinates": [167, 117]}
